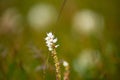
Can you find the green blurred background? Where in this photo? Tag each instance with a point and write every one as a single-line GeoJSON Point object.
{"type": "Point", "coordinates": [87, 31]}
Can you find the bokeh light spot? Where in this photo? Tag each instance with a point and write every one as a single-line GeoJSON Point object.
{"type": "Point", "coordinates": [41, 16]}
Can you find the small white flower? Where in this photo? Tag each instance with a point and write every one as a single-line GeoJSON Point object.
{"type": "Point", "coordinates": [46, 38]}
{"type": "Point", "coordinates": [50, 35]}
{"type": "Point", "coordinates": [50, 41]}
{"type": "Point", "coordinates": [50, 49]}
{"type": "Point", "coordinates": [55, 40]}
{"type": "Point", "coordinates": [65, 64]}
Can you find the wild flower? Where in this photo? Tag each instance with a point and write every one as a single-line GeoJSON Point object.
{"type": "Point", "coordinates": [51, 41]}
{"type": "Point", "coordinates": [51, 44]}
{"type": "Point", "coordinates": [65, 64]}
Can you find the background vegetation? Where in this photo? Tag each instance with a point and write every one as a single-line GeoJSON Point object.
{"type": "Point", "coordinates": [88, 35]}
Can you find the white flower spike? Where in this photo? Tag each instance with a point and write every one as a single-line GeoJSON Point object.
{"type": "Point", "coordinates": [50, 41]}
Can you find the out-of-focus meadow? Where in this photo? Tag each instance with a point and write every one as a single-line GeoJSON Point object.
{"type": "Point", "coordinates": [88, 33]}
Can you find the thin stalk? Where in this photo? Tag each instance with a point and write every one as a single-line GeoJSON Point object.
{"type": "Point", "coordinates": [57, 65]}
{"type": "Point", "coordinates": [62, 7]}
{"type": "Point", "coordinates": [66, 73]}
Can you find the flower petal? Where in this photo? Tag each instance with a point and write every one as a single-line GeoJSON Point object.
{"type": "Point", "coordinates": [55, 40]}
{"type": "Point", "coordinates": [50, 49]}
{"type": "Point", "coordinates": [56, 46]}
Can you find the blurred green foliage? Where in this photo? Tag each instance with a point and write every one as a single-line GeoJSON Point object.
{"type": "Point", "coordinates": [23, 54]}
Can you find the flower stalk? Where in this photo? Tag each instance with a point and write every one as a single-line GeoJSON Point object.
{"type": "Point", "coordinates": [67, 71]}
{"type": "Point", "coordinates": [57, 65]}
{"type": "Point", "coordinates": [51, 44]}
